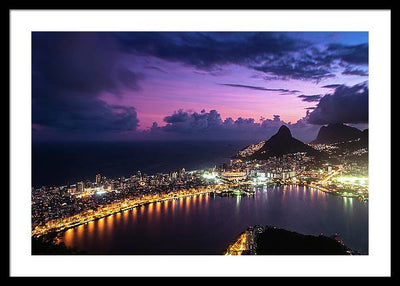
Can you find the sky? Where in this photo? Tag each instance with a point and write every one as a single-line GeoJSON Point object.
{"type": "Point", "coordinates": [113, 86]}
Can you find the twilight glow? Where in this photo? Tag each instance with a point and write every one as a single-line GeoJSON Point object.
{"type": "Point", "coordinates": [186, 85]}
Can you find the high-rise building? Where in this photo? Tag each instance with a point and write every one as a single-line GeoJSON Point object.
{"type": "Point", "coordinates": [80, 186]}
{"type": "Point", "coordinates": [98, 179]}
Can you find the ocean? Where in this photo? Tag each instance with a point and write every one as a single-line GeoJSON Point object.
{"type": "Point", "coordinates": [57, 164]}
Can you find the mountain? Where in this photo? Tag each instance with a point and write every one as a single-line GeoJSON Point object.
{"type": "Point", "coordinates": [335, 133]}
{"type": "Point", "coordinates": [353, 145]}
{"type": "Point", "coordinates": [279, 144]}
{"type": "Point", "coordinates": [364, 135]}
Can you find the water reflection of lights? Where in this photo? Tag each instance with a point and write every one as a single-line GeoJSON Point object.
{"type": "Point", "coordinates": [100, 226]}
{"type": "Point", "coordinates": [150, 209]}
{"type": "Point", "coordinates": [238, 198]}
{"type": "Point", "coordinates": [158, 208]}
{"type": "Point", "coordinates": [69, 237]}
{"type": "Point", "coordinates": [124, 217]}
{"type": "Point", "coordinates": [91, 229]}
{"type": "Point", "coordinates": [79, 231]}
{"type": "Point", "coordinates": [110, 224]}
{"type": "Point", "coordinates": [166, 205]}
{"type": "Point", "coordinates": [187, 203]}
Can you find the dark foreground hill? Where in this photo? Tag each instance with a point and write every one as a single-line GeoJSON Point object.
{"type": "Point", "coordinates": [335, 133]}
{"type": "Point", "coordinates": [280, 144]}
{"type": "Point", "coordinates": [275, 241]}
{"type": "Point", "coordinates": [45, 246]}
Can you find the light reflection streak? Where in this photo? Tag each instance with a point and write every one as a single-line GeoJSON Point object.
{"type": "Point", "coordinates": [312, 193]}
{"type": "Point", "coordinates": [158, 209]}
{"type": "Point", "coordinates": [238, 198]}
{"type": "Point", "coordinates": [69, 237]}
{"type": "Point", "coordinates": [187, 204]}
{"type": "Point", "coordinates": [166, 205]}
{"type": "Point", "coordinates": [125, 216]}
{"type": "Point", "coordinates": [109, 224]}
{"type": "Point", "coordinates": [100, 227]}
{"type": "Point", "coordinates": [79, 232]}
{"type": "Point", "coordinates": [91, 229]}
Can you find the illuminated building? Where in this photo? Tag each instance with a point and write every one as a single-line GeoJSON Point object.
{"type": "Point", "coordinates": [80, 186]}
{"type": "Point", "coordinates": [233, 176]}
{"type": "Point", "coordinates": [98, 179]}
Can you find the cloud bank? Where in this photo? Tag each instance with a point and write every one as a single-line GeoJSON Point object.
{"type": "Point", "coordinates": [345, 105]}
{"type": "Point", "coordinates": [69, 71]}
{"type": "Point", "coordinates": [190, 125]}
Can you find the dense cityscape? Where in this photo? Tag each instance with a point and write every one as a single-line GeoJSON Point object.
{"type": "Point", "coordinates": [61, 207]}
{"type": "Point", "coordinates": [127, 122]}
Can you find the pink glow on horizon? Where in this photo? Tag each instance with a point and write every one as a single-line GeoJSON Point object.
{"type": "Point", "coordinates": [175, 86]}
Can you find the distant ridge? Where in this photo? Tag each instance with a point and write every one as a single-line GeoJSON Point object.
{"type": "Point", "coordinates": [338, 132]}
{"type": "Point", "coordinates": [279, 144]}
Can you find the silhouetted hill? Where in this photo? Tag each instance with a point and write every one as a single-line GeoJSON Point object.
{"type": "Point", "coordinates": [282, 143]}
{"type": "Point", "coordinates": [364, 134]}
{"type": "Point", "coordinates": [43, 246]}
{"type": "Point", "coordinates": [275, 241]}
{"type": "Point", "coordinates": [335, 133]}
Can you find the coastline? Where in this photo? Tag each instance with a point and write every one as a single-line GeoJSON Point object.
{"type": "Point", "coordinates": [39, 233]}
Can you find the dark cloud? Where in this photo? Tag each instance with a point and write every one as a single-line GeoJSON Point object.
{"type": "Point", "coordinates": [156, 68]}
{"type": "Point", "coordinates": [313, 63]}
{"type": "Point", "coordinates": [192, 122]}
{"type": "Point", "coordinates": [178, 116]}
{"type": "Point", "coordinates": [356, 54]}
{"type": "Point", "coordinates": [74, 61]}
{"type": "Point", "coordinates": [129, 79]}
{"type": "Point", "coordinates": [206, 50]}
{"type": "Point", "coordinates": [209, 125]}
{"type": "Point", "coordinates": [300, 65]}
{"type": "Point", "coordinates": [310, 98]}
{"type": "Point", "coordinates": [277, 55]}
{"type": "Point", "coordinates": [345, 105]}
{"type": "Point", "coordinates": [354, 71]}
{"type": "Point", "coordinates": [332, 85]}
{"type": "Point", "coordinates": [69, 72]}
{"type": "Point", "coordinates": [282, 90]}
{"type": "Point", "coordinates": [76, 111]}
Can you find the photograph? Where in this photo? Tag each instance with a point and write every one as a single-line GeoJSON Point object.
{"type": "Point", "coordinates": [200, 143]}
{"type": "Point", "coordinates": [224, 143]}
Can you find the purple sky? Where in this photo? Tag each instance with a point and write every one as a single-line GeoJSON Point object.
{"type": "Point", "coordinates": [114, 86]}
